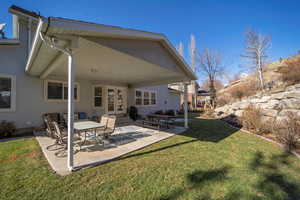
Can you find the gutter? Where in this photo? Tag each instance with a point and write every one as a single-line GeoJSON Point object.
{"type": "Point", "coordinates": [36, 46]}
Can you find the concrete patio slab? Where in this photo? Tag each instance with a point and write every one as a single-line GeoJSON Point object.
{"type": "Point", "coordinates": [126, 139]}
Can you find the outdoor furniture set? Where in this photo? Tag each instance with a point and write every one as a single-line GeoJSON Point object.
{"type": "Point", "coordinates": [83, 129]}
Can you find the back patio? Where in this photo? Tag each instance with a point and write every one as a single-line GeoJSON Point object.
{"type": "Point", "coordinates": [117, 59]}
{"type": "Point", "coordinates": [125, 139]}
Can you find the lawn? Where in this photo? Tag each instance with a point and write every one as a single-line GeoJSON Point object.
{"type": "Point", "coordinates": [210, 161]}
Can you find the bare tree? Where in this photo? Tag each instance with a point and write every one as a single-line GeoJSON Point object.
{"type": "Point", "coordinates": [192, 48]}
{"type": "Point", "coordinates": [217, 83]}
{"type": "Point", "coordinates": [210, 63]}
{"type": "Point", "coordinates": [256, 49]}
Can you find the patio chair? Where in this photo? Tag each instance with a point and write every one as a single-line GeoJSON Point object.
{"type": "Point", "coordinates": [48, 125]}
{"type": "Point", "coordinates": [109, 128]}
{"type": "Point", "coordinates": [65, 118]}
{"type": "Point", "coordinates": [104, 120]}
{"type": "Point", "coordinates": [61, 139]}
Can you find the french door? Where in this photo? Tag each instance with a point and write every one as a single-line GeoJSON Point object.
{"type": "Point", "coordinates": [116, 100]}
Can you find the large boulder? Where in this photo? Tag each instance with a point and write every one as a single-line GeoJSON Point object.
{"type": "Point", "coordinates": [291, 103]}
{"type": "Point", "coordinates": [270, 112]}
{"type": "Point", "coordinates": [272, 104]}
{"type": "Point", "coordinates": [293, 94]}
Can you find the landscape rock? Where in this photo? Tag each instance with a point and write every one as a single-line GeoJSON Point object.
{"type": "Point", "coordinates": [273, 106]}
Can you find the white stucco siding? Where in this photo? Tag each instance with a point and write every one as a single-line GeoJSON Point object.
{"type": "Point", "coordinates": [165, 100]}
{"type": "Point", "coordinates": [30, 101]}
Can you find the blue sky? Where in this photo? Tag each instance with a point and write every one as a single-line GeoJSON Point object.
{"type": "Point", "coordinates": [217, 24]}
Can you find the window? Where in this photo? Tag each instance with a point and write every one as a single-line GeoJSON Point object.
{"type": "Point", "coordinates": [7, 93]}
{"type": "Point", "coordinates": [153, 98]}
{"type": "Point", "coordinates": [145, 98]}
{"type": "Point", "coordinates": [66, 91]}
{"type": "Point", "coordinates": [58, 91]}
{"type": "Point", "coordinates": [138, 98]}
{"type": "Point", "coordinates": [97, 96]}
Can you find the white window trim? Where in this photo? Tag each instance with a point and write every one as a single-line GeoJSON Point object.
{"type": "Point", "coordinates": [142, 91]}
{"type": "Point", "coordinates": [59, 100]}
{"type": "Point", "coordinates": [13, 93]}
{"type": "Point", "coordinates": [93, 95]}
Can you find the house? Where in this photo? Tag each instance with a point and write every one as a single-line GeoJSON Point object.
{"type": "Point", "coordinates": [104, 69]}
{"type": "Point", "coordinates": [191, 90]}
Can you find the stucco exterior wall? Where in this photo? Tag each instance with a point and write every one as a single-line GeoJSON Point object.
{"type": "Point", "coordinates": [165, 100]}
{"type": "Point", "coordinates": [30, 100]}
{"type": "Point", "coordinates": [174, 101]}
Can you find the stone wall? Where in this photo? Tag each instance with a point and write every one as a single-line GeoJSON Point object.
{"type": "Point", "coordinates": [274, 105]}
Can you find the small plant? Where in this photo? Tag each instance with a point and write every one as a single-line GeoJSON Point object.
{"type": "Point", "coordinates": [287, 131]}
{"type": "Point", "coordinates": [7, 129]}
{"type": "Point", "coordinates": [252, 119]}
{"type": "Point", "coordinates": [170, 112]}
{"type": "Point", "coordinates": [159, 112]}
{"type": "Point", "coordinates": [133, 113]}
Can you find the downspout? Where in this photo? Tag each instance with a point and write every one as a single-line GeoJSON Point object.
{"type": "Point", "coordinates": [71, 75]}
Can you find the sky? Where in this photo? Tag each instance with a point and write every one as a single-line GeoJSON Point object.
{"type": "Point", "coordinates": [217, 24]}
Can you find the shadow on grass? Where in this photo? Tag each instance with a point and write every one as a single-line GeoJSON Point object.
{"type": "Point", "coordinates": [208, 130]}
{"type": "Point", "coordinates": [274, 183]}
{"type": "Point", "coordinates": [197, 180]}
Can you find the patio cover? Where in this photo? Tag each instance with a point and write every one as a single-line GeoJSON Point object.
{"type": "Point", "coordinates": [106, 54]}
{"type": "Point", "coordinates": [110, 54]}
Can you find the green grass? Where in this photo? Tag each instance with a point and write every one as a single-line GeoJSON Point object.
{"type": "Point", "coordinates": [210, 161]}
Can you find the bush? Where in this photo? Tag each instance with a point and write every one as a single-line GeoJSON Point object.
{"type": "Point", "coordinates": [159, 112]}
{"type": "Point", "coordinates": [251, 119]}
{"type": "Point", "coordinates": [288, 131]}
{"type": "Point", "coordinates": [232, 120]}
{"type": "Point", "coordinates": [133, 113]}
{"type": "Point", "coordinates": [246, 89]}
{"type": "Point", "coordinates": [170, 112]}
{"type": "Point", "coordinates": [7, 129]}
{"type": "Point", "coordinates": [222, 101]}
{"type": "Point", "coordinates": [291, 74]}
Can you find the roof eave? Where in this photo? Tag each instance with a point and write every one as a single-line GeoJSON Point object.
{"type": "Point", "coordinates": [104, 30]}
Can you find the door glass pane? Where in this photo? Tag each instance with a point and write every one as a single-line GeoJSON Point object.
{"type": "Point", "coordinates": [120, 101]}
{"type": "Point", "coordinates": [153, 98]}
{"type": "Point", "coordinates": [146, 98]}
{"type": "Point", "coordinates": [98, 102]}
{"type": "Point", "coordinates": [5, 92]}
{"type": "Point", "coordinates": [111, 100]}
{"type": "Point", "coordinates": [55, 90]}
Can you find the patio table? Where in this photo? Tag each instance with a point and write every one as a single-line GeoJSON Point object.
{"type": "Point", "coordinates": [85, 126]}
{"type": "Point", "coordinates": [162, 119]}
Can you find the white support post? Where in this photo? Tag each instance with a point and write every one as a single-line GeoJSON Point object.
{"type": "Point", "coordinates": [186, 123]}
{"type": "Point", "coordinates": [71, 73]}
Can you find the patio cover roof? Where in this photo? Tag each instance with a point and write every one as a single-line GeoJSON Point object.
{"type": "Point", "coordinates": [107, 54]}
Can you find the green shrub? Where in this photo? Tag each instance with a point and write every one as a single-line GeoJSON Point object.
{"type": "Point", "coordinates": [170, 112]}
{"type": "Point", "coordinates": [7, 129]}
{"type": "Point", "coordinates": [159, 112]}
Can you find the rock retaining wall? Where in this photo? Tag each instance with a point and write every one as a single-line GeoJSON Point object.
{"type": "Point", "coordinates": [274, 105]}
